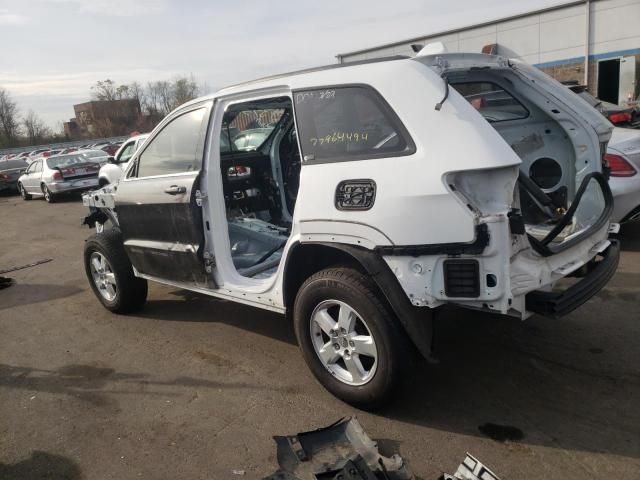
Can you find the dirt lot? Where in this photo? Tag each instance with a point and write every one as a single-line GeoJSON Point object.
{"type": "Point", "coordinates": [194, 387]}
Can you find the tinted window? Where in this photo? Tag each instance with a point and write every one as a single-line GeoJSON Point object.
{"type": "Point", "coordinates": [175, 148]}
{"type": "Point", "coordinates": [348, 123]}
{"type": "Point", "coordinates": [493, 103]}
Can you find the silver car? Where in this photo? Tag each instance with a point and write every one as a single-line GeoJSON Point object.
{"type": "Point", "coordinates": [623, 158]}
{"type": "Point", "coordinates": [53, 176]}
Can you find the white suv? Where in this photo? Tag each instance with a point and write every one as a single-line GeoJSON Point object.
{"type": "Point", "coordinates": [112, 172]}
{"type": "Point", "coordinates": [381, 191]}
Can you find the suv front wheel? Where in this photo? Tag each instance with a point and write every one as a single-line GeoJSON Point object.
{"type": "Point", "coordinates": [110, 273]}
{"type": "Point", "coordinates": [348, 337]}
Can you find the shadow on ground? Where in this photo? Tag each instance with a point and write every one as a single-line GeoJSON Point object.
{"type": "Point", "coordinates": [194, 307]}
{"type": "Point", "coordinates": [629, 237]}
{"type": "Point", "coordinates": [41, 465]}
{"type": "Point", "coordinates": [25, 294]}
{"type": "Point", "coordinates": [553, 385]}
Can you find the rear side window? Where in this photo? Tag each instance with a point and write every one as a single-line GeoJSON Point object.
{"type": "Point", "coordinates": [493, 102]}
{"type": "Point", "coordinates": [348, 123]}
{"type": "Point", "coordinates": [175, 148]}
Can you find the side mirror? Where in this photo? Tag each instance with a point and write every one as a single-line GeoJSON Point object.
{"type": "Point", "coordinates": [111, 160]}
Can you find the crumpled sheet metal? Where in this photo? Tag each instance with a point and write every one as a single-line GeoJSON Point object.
{"type": "Point", "coordinates": [342, 451]}
{"type": "Point", "coordinates": [472, 469]}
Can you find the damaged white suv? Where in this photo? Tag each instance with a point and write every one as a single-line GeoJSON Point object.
{"type": "Point", "coordinates": [378, 191]}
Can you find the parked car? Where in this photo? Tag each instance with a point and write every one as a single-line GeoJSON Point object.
{"type": "Point", "coordinates": [35, 154]}
{"type": "Point", "coordinates": [10, 171]}
{"type": "Point", "coordinates": [111, 172]}
{"type": "Point", "coordinates": [623, 158]}
{"type": "Point", "coordinates": [68, 150]}
{"type": "Point", "coordinates": [111, 149]}
{"type": "Point", "coordinates": [60, 174]}
{"type": "Point", "coordinates": [338, 236]}
{"type": "Point", "coordinates": [618, 115]}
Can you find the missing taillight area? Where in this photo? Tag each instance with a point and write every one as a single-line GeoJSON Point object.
{"type": "Point", "coordinates": [619, 166]}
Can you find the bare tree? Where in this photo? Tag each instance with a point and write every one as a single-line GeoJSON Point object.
{"type": "Point", "coordinates": [9, 122]}
{"type": "Point", "coordinates": [165, 96]}
{"type": "Point", "coordinates": [35, 128]}
{"type": "Point", "coordinates": [184, 89]}
{"type": "Point", "coordinates": [136, 91]}
{"type": "Point", "coordinates": [105, 90]}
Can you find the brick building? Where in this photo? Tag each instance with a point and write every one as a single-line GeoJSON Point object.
{"type": "Point", "coordinates": [558, 40]}
{"type": "Point", "coordinates": [104, 118]}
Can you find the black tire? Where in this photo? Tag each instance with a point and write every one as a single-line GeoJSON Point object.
{"type": "Point", "coordinates": [23, 192]}
{"type": "Point", "coordinates": [102, 182]}
{"type": "Point", "coordinates": [48, 194]}
{"type": "Point", "coordinates": [131, 291]}
{"type": "Point", "coordinates": [361, 294]}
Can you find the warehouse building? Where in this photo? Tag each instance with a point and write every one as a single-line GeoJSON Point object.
{"type": "Point", "coordinates": [589, 42]}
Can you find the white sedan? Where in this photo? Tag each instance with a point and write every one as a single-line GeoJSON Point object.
{"type": "Point", "coordinates": [52, 176]}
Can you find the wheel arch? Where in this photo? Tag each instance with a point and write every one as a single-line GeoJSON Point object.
{"type": "Point", "coordinates": [305, 259]}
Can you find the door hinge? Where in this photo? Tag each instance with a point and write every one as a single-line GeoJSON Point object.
{"type": "Point", "coordinates": [209, 261]}
{"type": "Point", "coordinates": [200, 197]}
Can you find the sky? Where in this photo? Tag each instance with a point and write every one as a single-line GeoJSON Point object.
{"type": "Point", "coordinates": [53, 51]}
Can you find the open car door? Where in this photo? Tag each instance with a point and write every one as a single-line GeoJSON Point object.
{"type": "Point", "coordinates": [156, 204]}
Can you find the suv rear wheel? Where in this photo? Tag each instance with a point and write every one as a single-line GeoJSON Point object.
{"type": "Point", "coordinates": [110, 273]}
{"type": "Point", "coordinates": [348, 337]}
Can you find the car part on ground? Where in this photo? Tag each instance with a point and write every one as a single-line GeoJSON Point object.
{"type": "Point", "coordinates": [471, 469]}
{"type": "Point", "coordinates": [341, 451]}
{"type": "Point", "coordinates": [28, 265]}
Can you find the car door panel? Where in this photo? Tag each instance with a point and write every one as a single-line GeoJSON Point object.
{"type": "Point", "coordinates": [160, 221]}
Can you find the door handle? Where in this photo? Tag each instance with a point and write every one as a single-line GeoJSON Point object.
{"type": "Point", "coordinates": [175, 190]}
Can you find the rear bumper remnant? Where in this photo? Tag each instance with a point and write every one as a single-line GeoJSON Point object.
{"type": "Point", "coordinates": [558, 304]}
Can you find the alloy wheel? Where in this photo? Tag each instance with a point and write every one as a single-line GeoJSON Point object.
{"type": "Point", "coordinates": [343, 342]}
{"type": "Point", "coordinates": [103, 276]}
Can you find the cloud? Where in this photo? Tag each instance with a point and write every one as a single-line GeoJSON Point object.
{"type": "Point", "coordinates": [118, 8]}
{"type": "Point", "coordinates": [8, 19]}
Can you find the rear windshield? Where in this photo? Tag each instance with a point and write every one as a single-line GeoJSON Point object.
{"type": "Point", "coordinates": [11, 164]}
{"type": "Point", "coordinates": [74, 159]}
{"type": "Point", "coordinates": [492, 102]}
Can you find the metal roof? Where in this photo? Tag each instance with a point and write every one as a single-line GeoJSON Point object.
{"type": "Point", "coordinates": [340, 56]}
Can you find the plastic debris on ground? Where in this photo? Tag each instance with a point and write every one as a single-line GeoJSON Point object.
{"type": "Point", "coordinates": [342, 451]}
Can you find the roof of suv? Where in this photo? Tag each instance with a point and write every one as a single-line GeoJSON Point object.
{"type": "Point", "coordinates": [256, 83]}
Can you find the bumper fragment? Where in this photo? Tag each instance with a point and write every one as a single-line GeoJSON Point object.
{"type": "Point", "coordinates": [558, 304]}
